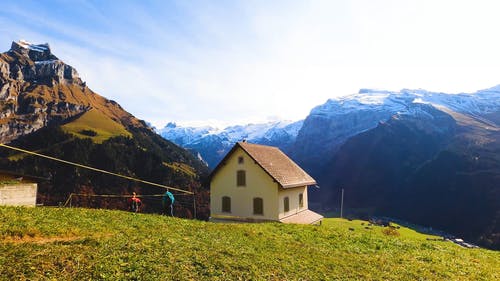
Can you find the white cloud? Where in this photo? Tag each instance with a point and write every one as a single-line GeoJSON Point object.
{"type": "Point", "coordinates": [242, 61]}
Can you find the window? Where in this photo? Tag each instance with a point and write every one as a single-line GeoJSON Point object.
{"type": "Point", "coordinates": [258, 206]}
{"type": "Point", "coordinates": [241, 178]}
{"type": "Point", "coordinates": [286, 203]}
{"type": "Point", "coordinates": [226, 204]}
{"type": "Point", "coordinates": [301, 200]}
{"type": "Point", "coordinates": [240, 160]}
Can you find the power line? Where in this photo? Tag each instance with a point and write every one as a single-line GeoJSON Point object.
{"type": "Point", "coordinates": [94, 169]}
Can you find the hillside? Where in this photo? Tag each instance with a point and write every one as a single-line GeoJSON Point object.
{"type": "Point", "coordinates": [84, 126]}
{"type": "Point", "coordinates": [427, 157]}
{"type": "Point", "coordinates": [47, 108]}
{"type": "Point", "coordinates": [442, 170]}
{"type": "Point", "coordinates": [77, 244]}
{"type": "Point", "coordinates": [330, 125]}
{"type": "Point", "coordinates": [37, 89]}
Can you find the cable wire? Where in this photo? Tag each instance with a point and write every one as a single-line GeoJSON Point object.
{"type": "Point", "coordinates": [95, 169]}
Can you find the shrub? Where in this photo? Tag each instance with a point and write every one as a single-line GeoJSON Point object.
{"type": "Point", "coordinates": [390, 231]}
{"type": "Point", "coordinates": [90, 133]}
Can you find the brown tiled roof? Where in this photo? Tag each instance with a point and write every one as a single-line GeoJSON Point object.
{"type": "Point", "coordinates": [281, 168]}
{"type": "Point", "coordinates": [303, 217]}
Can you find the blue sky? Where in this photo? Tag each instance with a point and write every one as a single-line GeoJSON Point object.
{"type": "Point", "coordinates": [230, 62]}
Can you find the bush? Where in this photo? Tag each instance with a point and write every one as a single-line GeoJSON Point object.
{"type": "Point", "coordinates": [89, 133]}
{"type": "Point", "coordinates": [390, 231]}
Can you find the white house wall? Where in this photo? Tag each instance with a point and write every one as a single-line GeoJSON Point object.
{"type": "Point", "coordinates": [293, 196]}
{"type": "Point", "coordinates": [258, 184]}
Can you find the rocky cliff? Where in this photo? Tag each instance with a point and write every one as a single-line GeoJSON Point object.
{"type": "Point", "coordinates": [38, 89]}
{"type": "Point", "coordinates": [46, 107]}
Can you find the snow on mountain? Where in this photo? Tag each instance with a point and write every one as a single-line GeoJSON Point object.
{"type": "Point", "coordinates": [188, 135]}
{"type": "Point", "coordinates": [212, 143]}
{"type": "Point", "coordinates": [329, 125]}
{"type": "Point", "coordinates": [184, 135]}
{"type": "Point", "coordinates": [480, 102]}
{"type": "Point", "coordinates": [35, 52]}
{"type": "Point", "coordinates": [380, 105]}
{"type": "Point", "coordinates": [34, 47]}
{"type": "Point", "coordinates": [264, 131]}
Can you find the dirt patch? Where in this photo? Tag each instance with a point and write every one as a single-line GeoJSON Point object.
{"type": "Point", "coordinates": [45, 240]}
{"type": "Point", "coordinates": [39, 240]}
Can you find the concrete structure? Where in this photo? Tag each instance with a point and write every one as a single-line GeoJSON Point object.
{"type": "Point", "coordinates": [256, 183]}
{"type": "Point", "coordinates": [22, 194]}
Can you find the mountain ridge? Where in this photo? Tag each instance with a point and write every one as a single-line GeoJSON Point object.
{"type": "Point", "coordinates": [46, 107]}
{"type": "Point", "coordinates": [204, 140]}
{"type": "Point", "coordinates": [338, 119]}
{"type": "Point", "coordinates": [38, 89]}
{"type": "Point", "coordinates": [390, 150]}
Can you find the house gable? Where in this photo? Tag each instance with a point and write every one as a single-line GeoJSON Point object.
{"type": "Point", "coordinates": [258, 184]}
{"type": "Point", "coordinates": [274, 162]}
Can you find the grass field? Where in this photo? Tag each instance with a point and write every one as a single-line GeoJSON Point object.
{"type": "Point", "coordinates": [94, 121]}
{"type": "Point", "coordinates": [83, 244]}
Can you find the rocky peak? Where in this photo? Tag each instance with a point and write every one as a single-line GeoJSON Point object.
{"type": "Point", "coordinates": [36, 63]}
{"type": "Point", "coordinates": [171, 125]}
{"type": "Point", "coordinates": [35, 52]}
{"type": "Point", "coordinates": [37, 89]}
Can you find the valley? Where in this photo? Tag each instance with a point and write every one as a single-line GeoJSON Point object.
{"type": "Point", "coordinates": [426, 157]}
{"type": "Point", "coordinates": [401, 154]}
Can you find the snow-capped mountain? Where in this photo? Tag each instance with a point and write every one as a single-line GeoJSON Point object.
{"type": "Point", "coordinates": [396, 153]}
{"type": "Point", "coordinates": [401, 153]}
{"type": "Point", "coordinates": [331, 124]}
{"type": "Point", "coordinates": [185, 135]}
{"type": "Point", "coordinates": [212, 143]}
{"type": "Point", "coordinates": [480, 102]}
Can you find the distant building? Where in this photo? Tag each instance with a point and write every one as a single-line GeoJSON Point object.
{"type": "Point", "coordinates": [255, 183]}
{"type": "Point", "coordinates": [16, 190]}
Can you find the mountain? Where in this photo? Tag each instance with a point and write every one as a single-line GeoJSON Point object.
{"type": "Point", "coordinates": [430, 158]}
{"type": "Point", "coordinates": [211, 144]}
{"type": "Point", "coordinates": [330, 125]}
{"type": "Point", "coordinates": [46, 107]}
{"type": "Point", "coordinates": [426, 157]}
{"type": "Point", "coordinates": [37, 89]}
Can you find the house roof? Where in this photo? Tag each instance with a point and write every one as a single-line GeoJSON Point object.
{"type": "Point", "coordinates": [274, 162]}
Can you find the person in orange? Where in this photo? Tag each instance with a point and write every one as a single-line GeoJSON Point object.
{"type": "Point", "coordinates": [135, 203]}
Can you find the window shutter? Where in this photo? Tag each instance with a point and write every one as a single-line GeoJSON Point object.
{"type": "Point", "coordinates": [258, 206]}
{"type": "Point", "coordinates": [226, 204]}
{"type": "Point", "coordinates": [286, 203]}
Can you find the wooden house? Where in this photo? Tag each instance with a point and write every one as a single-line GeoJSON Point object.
{"type": "Point", "coordinates": [255, 183]}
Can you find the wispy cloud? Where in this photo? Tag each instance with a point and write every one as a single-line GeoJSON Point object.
{"type": "Point", "coordinates": [237, 61]}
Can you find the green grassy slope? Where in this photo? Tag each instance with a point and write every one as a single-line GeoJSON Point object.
{"type": "Point", "coordinates": [78, 244]}
{"type": "Point", "coordinates": [95, 121]}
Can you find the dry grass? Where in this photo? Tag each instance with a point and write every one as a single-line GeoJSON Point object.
{"type": "Point", "coordinates": [95, 121]}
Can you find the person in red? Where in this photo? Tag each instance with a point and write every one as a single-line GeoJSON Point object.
{"type": "Point", "coordinates": [135, 203]}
